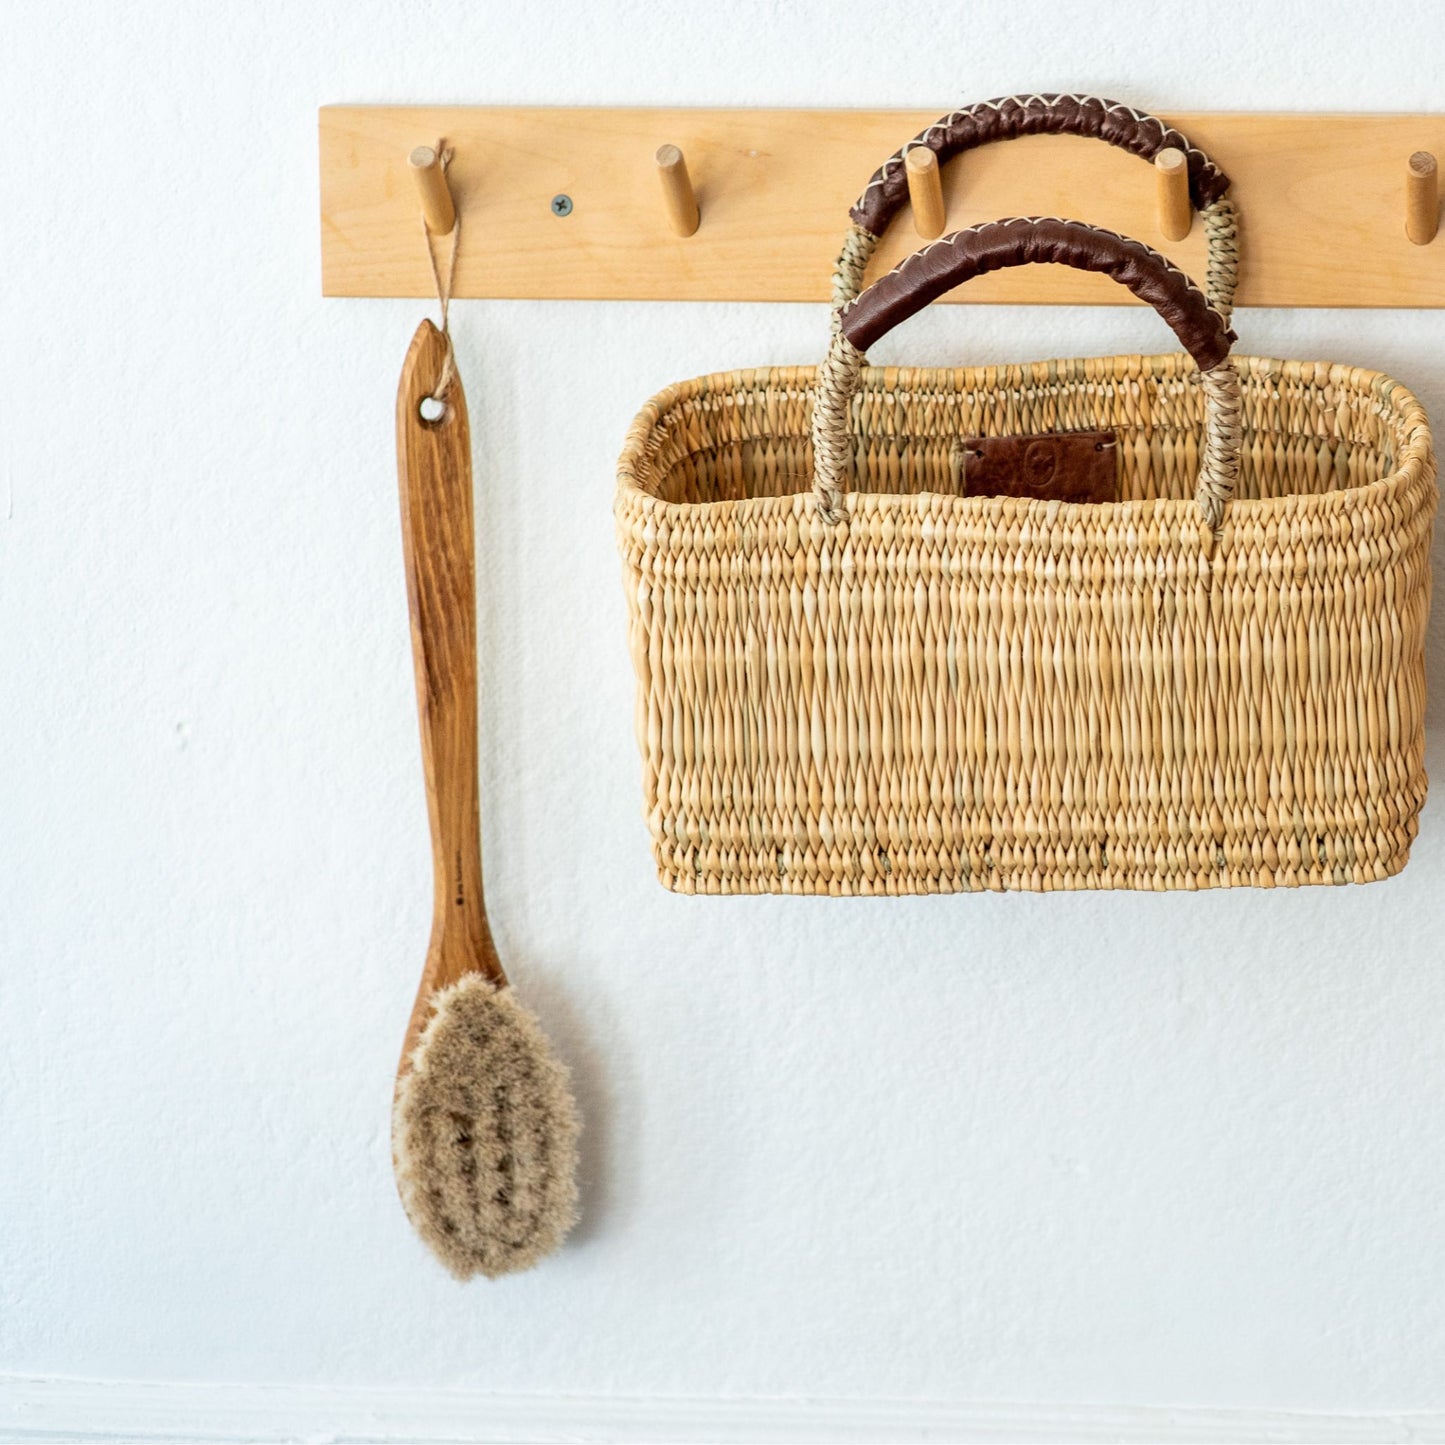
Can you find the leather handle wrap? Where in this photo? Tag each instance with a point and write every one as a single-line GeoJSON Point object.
{"type": "Point", "coordinates": [1135, 131]}
{"type": "Point", "coordinates": [939, 267]}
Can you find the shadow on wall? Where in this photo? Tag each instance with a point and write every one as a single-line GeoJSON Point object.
{"type": "Point", "coordinates": [1435, 631]}
{"type": "Point", "coordinates": [596, 1076]}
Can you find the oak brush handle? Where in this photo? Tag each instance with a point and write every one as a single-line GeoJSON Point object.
{"type": "Point", "coordinates": [434, 474]}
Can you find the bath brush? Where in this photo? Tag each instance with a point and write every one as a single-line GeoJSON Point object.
{"type": "Point", "coordinates": [484, 1130]}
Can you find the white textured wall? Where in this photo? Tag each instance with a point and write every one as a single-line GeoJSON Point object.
{"type": "Point", "coordinates": [1179, 1150]}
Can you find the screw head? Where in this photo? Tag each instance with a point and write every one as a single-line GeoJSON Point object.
{"type": "Point", "coordinates": [561, 205]}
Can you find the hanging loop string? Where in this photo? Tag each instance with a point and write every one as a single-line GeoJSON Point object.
{"type": "Point", "coordinates": [442, 280]}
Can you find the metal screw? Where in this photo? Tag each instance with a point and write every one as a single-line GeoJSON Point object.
{"type": "Point", "coordinates": [561, 205]}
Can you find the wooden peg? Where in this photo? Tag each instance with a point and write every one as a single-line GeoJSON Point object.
{"type": "Point", "coordinates": [1176, 210]}
{"type": "Point", "coordinates": [1422, 198]}
{"type": "Point", "coordinates": [925, 192]}
{"type": "Point", "coordinates": [432, 190]}
{"type": "Point", "coordinates": [677, 192]}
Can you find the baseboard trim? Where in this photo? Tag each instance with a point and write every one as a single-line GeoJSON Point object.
{"type": "Point", "coordinates": [47, 1411]}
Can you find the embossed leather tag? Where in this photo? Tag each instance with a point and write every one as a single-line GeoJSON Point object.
{"type": "Point", "coordinates": [1080, 466]}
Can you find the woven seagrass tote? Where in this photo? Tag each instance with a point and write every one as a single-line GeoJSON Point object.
{"type": "Point", "coordinates": [856, 677]}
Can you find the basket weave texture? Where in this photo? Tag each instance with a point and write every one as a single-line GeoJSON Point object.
{"type": "Point", "coordinates": [944, 692]}
{"type": "Point", "coordinates": [854, 679]}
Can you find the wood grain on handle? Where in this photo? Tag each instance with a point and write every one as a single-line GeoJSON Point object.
{"type": "Point", "coordinates": [434, 472]}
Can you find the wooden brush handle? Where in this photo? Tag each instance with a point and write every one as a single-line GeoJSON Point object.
{"type": "Point", "coordinates": [434, 471]}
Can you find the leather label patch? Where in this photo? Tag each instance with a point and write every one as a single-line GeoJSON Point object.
{"type": "Point", "coordinates": [1079, 466]}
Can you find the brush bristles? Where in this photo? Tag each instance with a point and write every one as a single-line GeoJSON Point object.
{"type": "Point", "coordinates": [484, 1134]}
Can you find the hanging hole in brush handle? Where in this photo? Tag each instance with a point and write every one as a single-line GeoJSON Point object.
{"type": "Point", "coordinates": [1008, 117]}
{"type": "Point", "coordinates": [1027, 241]}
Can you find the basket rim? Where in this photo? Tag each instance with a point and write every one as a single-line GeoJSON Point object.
{"type": "Point", "coordinates": [1414, 455]}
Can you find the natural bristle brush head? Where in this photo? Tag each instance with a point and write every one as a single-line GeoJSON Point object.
{"type": "Point", "coordinates": [484, 1134]}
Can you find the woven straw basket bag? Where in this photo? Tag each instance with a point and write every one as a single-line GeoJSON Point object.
{"type": "Point", "coordinates": [855, 676]}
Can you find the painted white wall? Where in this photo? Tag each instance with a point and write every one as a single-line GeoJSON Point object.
{"type": "Point", "coordinates": [1057, 1151]}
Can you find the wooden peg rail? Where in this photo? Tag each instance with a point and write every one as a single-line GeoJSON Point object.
{"type": "Point", "coordinates": [565, 203]}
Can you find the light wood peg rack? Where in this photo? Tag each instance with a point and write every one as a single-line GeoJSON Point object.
{"type": "Point", "coordinates": [752, 205]}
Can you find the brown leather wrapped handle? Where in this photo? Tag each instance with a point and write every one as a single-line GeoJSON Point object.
{"type": "Point", "coordinates": [1135, 131]}
{"type": "Point", "coordinates": [1121, 125]}
{"type": "Point", "coordinates": [1035, 240]}
{"type": "Point", "coordinates": [944, 264]}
